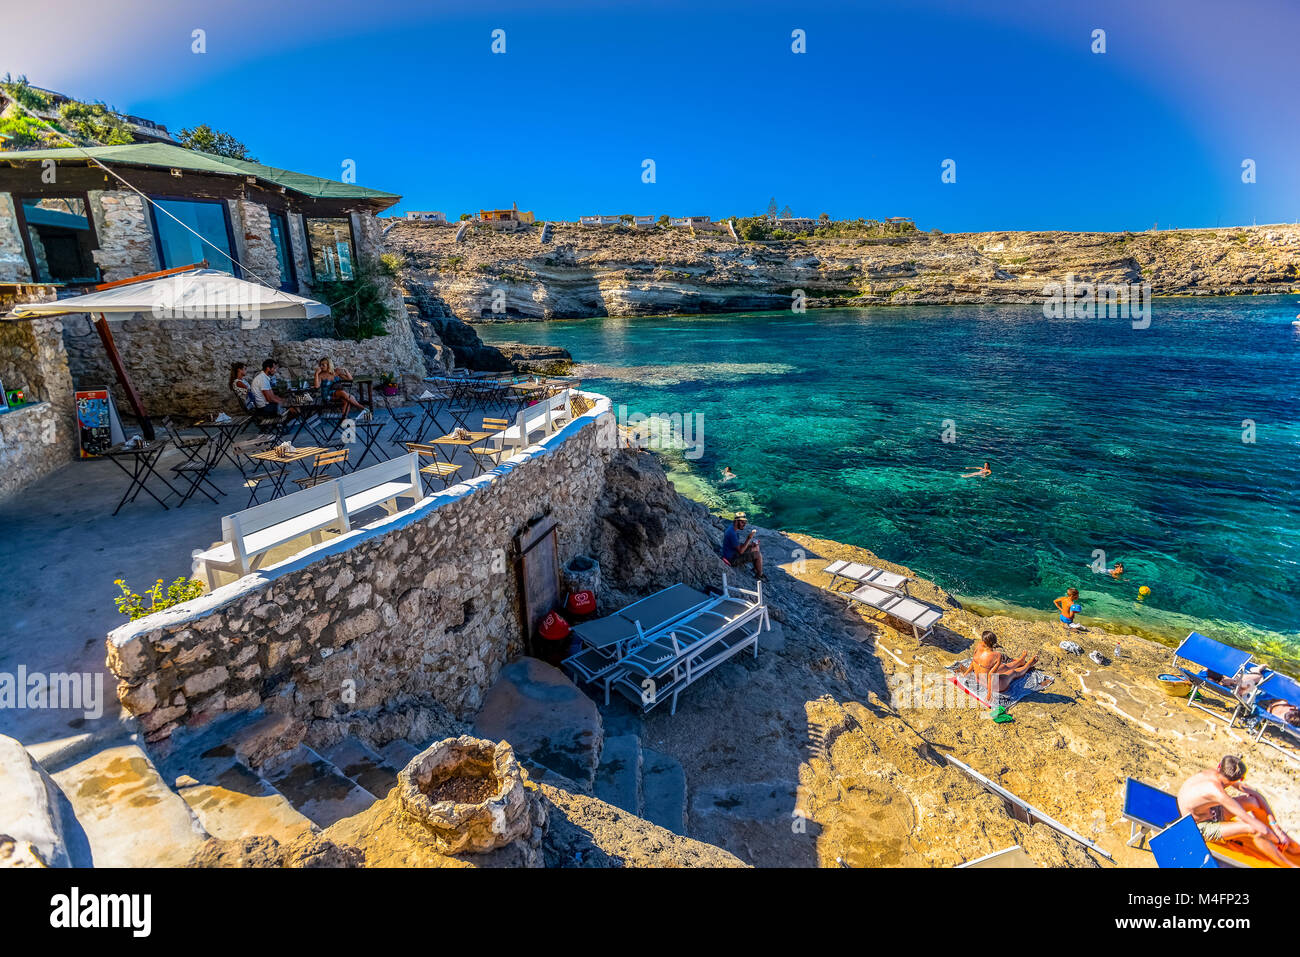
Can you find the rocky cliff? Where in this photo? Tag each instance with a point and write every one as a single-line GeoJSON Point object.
{"type": "Point", "coordinates": [588, 271]}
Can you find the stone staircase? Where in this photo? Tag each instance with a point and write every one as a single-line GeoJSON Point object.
{"type": "Point", "coordinates": [642, 781]}
{"type": "Point", "coordinates": [248, 775]}
{"type": "Point", "coordinates": [225, 782]}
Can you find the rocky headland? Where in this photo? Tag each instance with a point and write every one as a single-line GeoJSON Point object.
{"type": "Point", "coordinates": [581, 271]}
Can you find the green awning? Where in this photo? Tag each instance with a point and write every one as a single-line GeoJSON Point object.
{"type": "Point", "coordinates": [166, 156]}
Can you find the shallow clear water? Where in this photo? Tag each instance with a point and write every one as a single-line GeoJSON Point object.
{"type": "Point", "coordinates": [1100, 436]}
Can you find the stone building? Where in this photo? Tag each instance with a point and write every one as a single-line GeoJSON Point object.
{"type": "Point", "coordinates": [72, 218]}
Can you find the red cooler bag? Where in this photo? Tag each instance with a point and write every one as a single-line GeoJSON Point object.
{"type": "Point", "coordinates": [581, 604]}
{"type": "Point", "coordinates": [554, 627]}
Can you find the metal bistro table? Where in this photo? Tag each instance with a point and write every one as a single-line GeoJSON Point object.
{"type": "Point", "coordinates": [369, 434]}
{"type": "Point", "coordinates": [223, 433]}
{"type": "Point", "coordinates": [142, 458]}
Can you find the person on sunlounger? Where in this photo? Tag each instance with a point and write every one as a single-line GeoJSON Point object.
{"type": "Point", "coordinates": [1222, 817]}
{"type": "Point", "coordinates": [993, 668]}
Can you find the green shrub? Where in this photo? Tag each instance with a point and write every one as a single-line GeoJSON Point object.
{"type": "Point", "coordinates": [95, 122]}
{"type": "Point", "coordinates": [133, 606]}
{"type": "Point", "coordinates": [361, 305]}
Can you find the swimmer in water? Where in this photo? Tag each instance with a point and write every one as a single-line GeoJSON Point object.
{"type": "Point", "coordinates": [979, 472]}
{"type": "Point", "coordinates": [1118, 571]}
{"type": "Point", "coordinates": [727, 474]}
{"type": "Point", "coordinates": [1068, 606]}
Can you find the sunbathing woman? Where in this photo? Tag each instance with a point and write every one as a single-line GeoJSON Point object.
{"type": "Point", "coordinates": [993, 668]}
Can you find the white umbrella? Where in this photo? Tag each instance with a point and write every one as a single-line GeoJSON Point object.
{"type": "Point", "coordinates": [178, 294]}
{"type": "Point", "coordinates": [196, 294]}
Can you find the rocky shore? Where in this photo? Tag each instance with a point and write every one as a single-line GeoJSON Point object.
{"type": "Point", "coordinates": [505, 275]}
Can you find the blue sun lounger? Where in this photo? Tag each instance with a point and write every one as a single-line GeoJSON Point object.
{"type": "Point", "coordinates": [1147, 810]}
{"type": "Point", "coordinates": [1212, 657]}
{"type": "Point", "coordinates": [1275, 687]}
{"type": "Point", "coordinates": [1181, 845]}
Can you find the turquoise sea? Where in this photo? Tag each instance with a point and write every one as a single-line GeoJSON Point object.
{"type": "Point", "coordinates": [1100, 437]}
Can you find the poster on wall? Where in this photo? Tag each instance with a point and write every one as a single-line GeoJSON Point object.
{"type": "Point", "coordinates": [98, 424]}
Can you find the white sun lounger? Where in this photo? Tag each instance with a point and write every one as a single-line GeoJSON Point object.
{"type": "Point", "coordinates": [861, 574]}
{"type": "Point", "coordinates": [606, 639]}
{"type": "Point", "coordinates": [917, 614]}
{"type": "Point", "coordinates": [664, 664]}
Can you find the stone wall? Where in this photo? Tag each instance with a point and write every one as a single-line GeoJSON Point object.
{"type": "Point", "coordinates": [424, 603]}
{"type": "Point", "coordinates": [181, 366]}
{"type": "Point", "coordinates": [125, 233]}
{"type": "Point", "coordinates": [13, 258]}
{"type": "Point", "coordinates": [254, 247]}
{"type": "Point", "coordinates": [35, 440]}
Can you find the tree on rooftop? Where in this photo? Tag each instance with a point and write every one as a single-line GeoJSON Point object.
{"type": "Point", "coordinates": [787, 213]}
{"type": "Point", "coordinates": [207, 140]}
{"type": "Point", "coordinates": [771, 208]}
{"type": "Point", "coordinates": [824, 218]}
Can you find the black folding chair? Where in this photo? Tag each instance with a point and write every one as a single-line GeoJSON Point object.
{"type": "Point", "coordinates": [195, 470]}
{"type": "Point", "coordinates": [401, 420]}
{"type": "Point", "coordinates": [201, 456]}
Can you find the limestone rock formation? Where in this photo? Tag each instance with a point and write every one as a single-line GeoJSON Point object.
{"type": "Point", "coordinates": [647, 534]}
{"type": "Point", "coordinates": [308, 851]}
{"type": "Point", "coordinates": [584, 271]}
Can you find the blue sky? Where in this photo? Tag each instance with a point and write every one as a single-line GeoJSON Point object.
{"type": "Point", "coordinates": [1044, 133]}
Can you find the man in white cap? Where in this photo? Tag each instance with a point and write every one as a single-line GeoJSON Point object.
{"type": "Point", "coordinates": [738, 552]}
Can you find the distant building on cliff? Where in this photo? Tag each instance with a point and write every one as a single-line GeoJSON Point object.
{"type": "Point", "coordinates": [432, 216]}
{"type": "Point", "coordinates": [694, 222]}
{"type": "Point", "coordinates": [512, 215]}
{"type": "Point", "coordinates": [600, 220]}
{"type": "Point", "coordinates": [643, 222]}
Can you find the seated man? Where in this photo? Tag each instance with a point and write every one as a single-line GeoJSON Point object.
{"type": "Point", "coordinates": [267, 403]}
{"type": "Point", "coordinates": [738, 553]}
{"type": "Point", "coordinates": [1222, 817]}
{"type": "Point", "coordinates": [992, 668]}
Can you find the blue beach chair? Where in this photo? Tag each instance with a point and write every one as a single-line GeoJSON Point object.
{"type": "Point", "coordinates": [1147, 810]}
{"type": "Point", "coordinates": [1181, 845]}
{"type": "Point", "coordinates": [1212, 656]}
{"type": "Point", "coordinates": [1273, 688]}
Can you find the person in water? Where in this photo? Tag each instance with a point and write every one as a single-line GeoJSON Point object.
{"type": "Point", "coordinates": [1118, 571]}
{"type": "Point", "coordinates": [727, 474]}
{"type": "Point", "coordinates": [1068, 606]}
{"type": "Point", "coordinates": [992, 668]}
{"type": "Point", "coordinates": [980, 472]}
{"type": "Point", "coordinates": [1245, 817]}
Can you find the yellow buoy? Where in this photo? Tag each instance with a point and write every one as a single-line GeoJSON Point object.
{"type": "Point", "coordinates": [1144, 591]}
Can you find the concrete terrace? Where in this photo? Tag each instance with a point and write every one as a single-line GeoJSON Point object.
{"type": "Point", "coordinates": [66, 548]}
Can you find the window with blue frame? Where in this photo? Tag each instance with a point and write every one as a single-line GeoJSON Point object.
{"type": "Point", "coordinates": [280, 236]}
{"type": "Point", "coordinates": [178, 239]}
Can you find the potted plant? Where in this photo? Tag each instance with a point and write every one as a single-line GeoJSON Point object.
{"type": "Point", "coordinates": [388, 384]}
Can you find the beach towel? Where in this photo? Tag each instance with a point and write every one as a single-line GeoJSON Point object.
{"type": "Point", "coordinates": [1022, 687]}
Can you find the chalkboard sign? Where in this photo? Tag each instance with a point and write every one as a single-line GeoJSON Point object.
{"type": "Point", "coordinates": [98, 425]}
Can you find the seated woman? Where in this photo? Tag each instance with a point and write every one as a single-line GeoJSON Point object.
{"type": "Point", "coordinates": [240, 387]}
{"type": "Point", "coordinates": [993, 668]}
{"type": "Point", "coordinates": [329, 381]}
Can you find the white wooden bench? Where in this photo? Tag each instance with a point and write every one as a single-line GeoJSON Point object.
{"type": "Point", "coordinates": [249, 536]}
{"type": "Point", "coordinates": [383, 485]}
{"type": "Point", "coordinates": [545, 417]}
